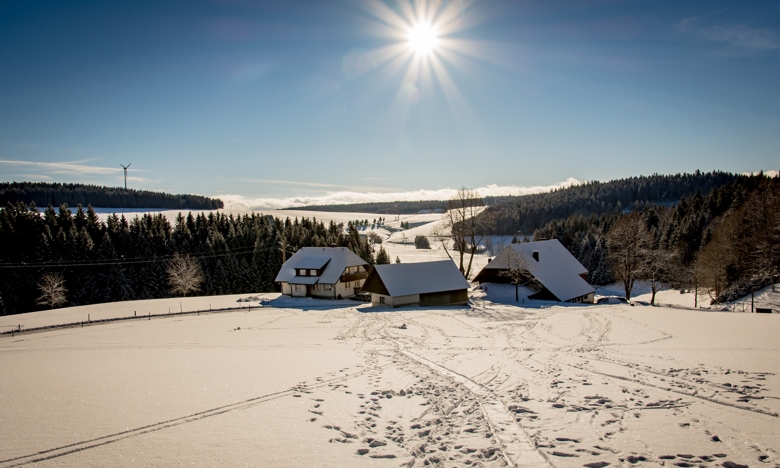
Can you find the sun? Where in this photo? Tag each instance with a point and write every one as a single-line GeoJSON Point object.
{"type": "Point", "coordinates": [423, 38]}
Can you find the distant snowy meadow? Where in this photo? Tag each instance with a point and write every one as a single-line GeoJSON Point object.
{"type": "Point", "coordinates": [240, 202]}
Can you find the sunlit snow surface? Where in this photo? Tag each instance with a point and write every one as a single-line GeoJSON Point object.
{"type": "Point", "coordinates": [318, 383]}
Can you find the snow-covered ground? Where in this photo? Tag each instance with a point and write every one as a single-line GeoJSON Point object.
{"type": "Point", "coordinates": [763, 298]}
{"type": "Point", "coordinates": [324, 383]}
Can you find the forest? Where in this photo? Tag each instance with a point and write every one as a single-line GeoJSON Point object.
{"type": "Point", "coordinates": [725, 244]}
{"type": "Point", "coordinates": [715, 233]}
{"type": "Point", "coordinates": [56, 194]}
{"type": "Point", "coordinates": [524, 214]}
{"type": "Point", "coordinates": [121, 259]}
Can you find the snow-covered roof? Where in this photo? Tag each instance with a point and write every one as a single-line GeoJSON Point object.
{"type": "Point", "coordinates": [337, 259]}
{"type": "Point", "coordinates": [314, 262]}
{"type": "Point", "coordinates": [403, 279]}
{"type": "Point", "coordinates": [557, 269]}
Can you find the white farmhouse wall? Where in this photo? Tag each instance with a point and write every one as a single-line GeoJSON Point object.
{"type": "Point", "coordinates": [394, 301]}
{"type": "Point", "coordinates": [301, 290]}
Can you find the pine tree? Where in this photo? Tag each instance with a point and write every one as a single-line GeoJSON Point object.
{"type": "Point", "coordinates": [382, 258]}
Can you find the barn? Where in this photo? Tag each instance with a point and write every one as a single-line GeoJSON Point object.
{"type": "Point", "coordinates": [549, 267]}
{"type": "Point", "coordinates": [424, 284]}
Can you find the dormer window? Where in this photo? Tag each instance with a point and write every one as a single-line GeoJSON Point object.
{"type": "Point", "coordinates": [313, 273]}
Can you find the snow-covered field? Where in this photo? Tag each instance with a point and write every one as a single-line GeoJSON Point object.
{"type": "Point", "coordinates": [334, 383]}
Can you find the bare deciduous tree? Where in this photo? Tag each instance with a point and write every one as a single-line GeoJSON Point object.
{"type": "Point", "coordinates": [467, 225]}
{"type": "Point", "coordinates": [184, 275]}
{"type": "Point", "coordinates": [658, 270]}
{"type": "Point", "coordinates": [518, 271]}
{"type": "Point", "coordinates": [374, 238]}
{"type": "Point", "coordinates": [488, 243]}
{"type": "Point", "coordinates": [52, 288]}
{"type": "Point", "coordinates": [629, 243]}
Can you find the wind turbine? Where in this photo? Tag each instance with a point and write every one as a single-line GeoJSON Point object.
{"type": "Point", "coordinates": [125, 168]}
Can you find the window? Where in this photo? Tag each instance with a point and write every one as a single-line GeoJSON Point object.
{"type": "Point", "coordinates": [301, 272]}
{"type": "Point", "coordinates": [327, 287]}
{"type": "Point", "coordinates": [382, 299]}
{"type": "Point", "coordinates": [297, 288]}
{"type": "Point", "coordinates": [312, 272]}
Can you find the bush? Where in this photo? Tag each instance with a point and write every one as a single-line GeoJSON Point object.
{"type": "Point", "coordinates": [421, 242]}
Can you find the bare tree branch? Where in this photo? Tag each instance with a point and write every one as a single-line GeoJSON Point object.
{"type": "Point", "coordinates": [184, 275]}
{"type": "Point", "coordinates": [52, 288]}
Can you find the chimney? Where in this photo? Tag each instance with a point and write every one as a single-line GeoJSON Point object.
{"type": "Point", "coordinates": [490, 260]}
{"type": "Point", "coordinates": [536, 255]}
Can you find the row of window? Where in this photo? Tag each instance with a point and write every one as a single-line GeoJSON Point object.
{"type": "Point", "coordinates": [328, 287]}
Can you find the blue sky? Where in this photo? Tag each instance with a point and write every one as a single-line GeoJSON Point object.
{"type": "Point", "coordinates": [295, 99]}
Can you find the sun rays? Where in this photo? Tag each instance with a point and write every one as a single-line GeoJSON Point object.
{"type": "Point", "coordinates": [423, 48]}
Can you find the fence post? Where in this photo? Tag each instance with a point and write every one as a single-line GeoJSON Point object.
{"type": "Point", "coordinates": [89, 318]}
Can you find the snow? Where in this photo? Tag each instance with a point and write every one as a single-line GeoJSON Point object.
{"type": "Point", "coordinates": [338, 258]}
{"type": "Point", "coordinates": [307, 382]}
{"type": "Point", "coordinates": [421, 278]}
{"type": "Point", "coordinates": [556, 268]}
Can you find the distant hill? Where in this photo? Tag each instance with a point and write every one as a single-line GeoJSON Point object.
{"type": "Point", "coordinates": [399, 207]}
{"type": "Point", "coordinates": [524, 214]}
{"type": "Point", "coordinates": [55, 194]}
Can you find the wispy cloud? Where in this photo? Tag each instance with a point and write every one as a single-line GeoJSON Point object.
{"type": "Point", "coordinates": [239, 202]}
{"type": "Point", "coordinates": [73, 167]}
{"type": "Point", "coordinates": [50, 170]}
{"type": "Point", "coordinates": [735, 37]}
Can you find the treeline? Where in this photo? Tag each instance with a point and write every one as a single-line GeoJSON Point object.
{"type": "Point", "coordinates": [56, 194]}
{"type": "Point", "coordinates": [524, 214]}
{"type": "Point", "coordinates": [121, 259]}
{"type": "Point", "coordinates": [398, 207]}
{"type": "Point", "coordinates": [726, 243]}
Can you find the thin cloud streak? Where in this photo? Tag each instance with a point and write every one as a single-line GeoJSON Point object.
{"type": "Point", "coordinates": [239, 202]}
{"type": "Point", "coordinates": [74, 167]}
{"type": "Point", "coordinates": [739, 36]}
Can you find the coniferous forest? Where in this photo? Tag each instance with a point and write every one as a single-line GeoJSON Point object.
{"type": "Point", "coordinates": [56, 194]}
{"type": "Point", "coordinates": [718, 233]}
{"type": "Point", "coordinates": [725, 244]}
{"type": "Point", "coordinates": [123, 259]}
{"type": "Point", "coordinates": [527, 213]}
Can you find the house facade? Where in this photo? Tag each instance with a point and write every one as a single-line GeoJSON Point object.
{"type": "Point", "coordinates": [326, 272]}
{"type": "Point", "coordinates": [550, 269]}
{"type": "Point", "coordinates": [424, 284]}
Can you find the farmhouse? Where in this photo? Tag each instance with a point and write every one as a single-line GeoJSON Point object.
{"type": "Point", "coordinates": [427, 284]}
{"type": "Point", "coordinates": [549, 268]}
{"type": "Point", "coordinates": [331, 272]}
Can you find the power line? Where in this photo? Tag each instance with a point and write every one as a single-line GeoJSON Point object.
{"type": "Point", "coordinates": [134, 261]}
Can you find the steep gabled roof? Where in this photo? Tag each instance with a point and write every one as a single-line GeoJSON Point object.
{"type": "Point", "coordinates": [557, 269]}
{"type": "Point", "coordinates": [404, 279]}
{"type": "Point", "coordinates": [335, 259]}
{"type": "Point", "coordinates": [313, 262]}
